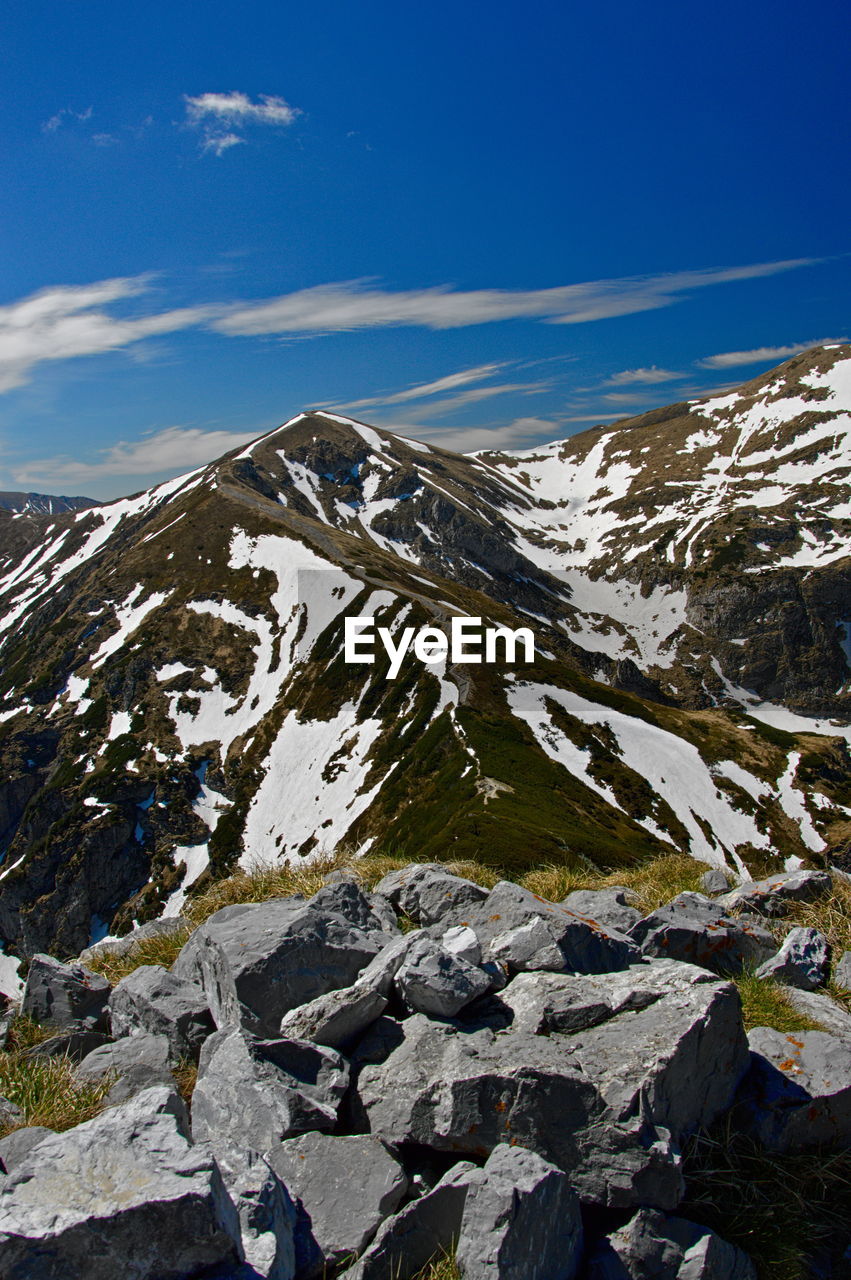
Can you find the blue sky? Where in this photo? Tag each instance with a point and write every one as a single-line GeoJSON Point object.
{"type": "Point", "coordinates": [483, 225]}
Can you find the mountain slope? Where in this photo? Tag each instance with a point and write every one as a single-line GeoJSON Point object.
{"type": "Point", "coordinates": [42, 503]}
{"type": "Point", "coordinates": [175, 695]}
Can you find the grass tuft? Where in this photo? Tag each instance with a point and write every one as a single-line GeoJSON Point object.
{"type": "Point", "coordinates": [654, 882]}
{"type": "Point", "coordinates": [185, 1074]}
{"type": "Point", "coordinates": [162, 949]}
{"type": "Point", "coordinates": [783, 1210]}
{"type": "Point", "coordinates": [766, 1004]}
{"type": "Point", "coordinates": [48, 1093]}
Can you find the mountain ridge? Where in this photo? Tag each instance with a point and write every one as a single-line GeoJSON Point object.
{"type": "Point", "coordinates": [175, 701]}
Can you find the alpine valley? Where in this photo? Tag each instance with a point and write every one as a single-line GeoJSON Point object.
{"type": "Point", "coordinates": [175, 701]}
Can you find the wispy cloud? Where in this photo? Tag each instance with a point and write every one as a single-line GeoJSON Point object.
{"type": "Point", "coordinates": [513, 435]}
{"type": "Point", "coordinates": [219, 115]}
{"type": "Point", "coordinates": [62, 116]}
{"type": "Point", "coordinates": [650, 377]}
{"type": "Point", "coordinates": [761, 355]}
{"type": "Point", "coordinates": [165, 452]}
{"type": "Point", "coordinates": [358, 304]}
{"type": "Point", "coordinates": [63, 322]}
{"type": "Point", "coordinates": [423, 390]}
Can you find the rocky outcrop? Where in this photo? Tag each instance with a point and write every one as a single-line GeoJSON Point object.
{"type": "Point", "coordinates": [430, 1098]}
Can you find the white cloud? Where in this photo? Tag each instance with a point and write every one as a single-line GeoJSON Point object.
{"type": "Point", "coordinates": [358, 304]}
{"type": "Point", "coordinates": [56, 122]}
{"type": "Point", "coordinates": [424, 389]}
{"type": "Point", "coordinates": [649, 376]}
{"type": "Point", "coordinates": [514, 435]}
{"type": "Point", "coordinates": [760, 355]}
{"type": "Point", "coordinates": [217, 115]}
{"type": "Point", "coordinates": [168, 451]}
{"type": "Point", "coordinates": [62, 322]}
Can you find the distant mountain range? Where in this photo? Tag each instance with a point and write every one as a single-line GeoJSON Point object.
{"type": "Point", "coordinates": [42, 503]}
{"type": "Point", "coordinates": [174, 696]}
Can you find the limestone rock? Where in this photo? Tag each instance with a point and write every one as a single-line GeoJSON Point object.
{"type": "Point", "coordinates": [256, 961]}
{"type": "Point", "coordinates": [667, 1248]}
{"type": "Point", "coordinates": [772, 896]}
{"type": "Point", "coordinates": [461, 940]}
{"type": "Point", "coordinates": [422, 1231]}
{"type": "Point", "coordinates": [610, 907]}
{"type": "Point", "coordinates": [148, 1051]}
{"type": "Point", "coordinates": [802, 960]}
{"type": "Point", "coordinates": [585, 946]}
{"type": "Point", "coordinates": [432, 980]}
{"type": "Point", "coordinates": [19, 1143]}
{"type": "Point", "coordinates": [258, 1092]}
{"type": "Point", "coordinates": [428, 893]}
{"type": "Point", "coordinates": [842, 971]}
{"type": "Point", "coordinates": [696, 929]}
{"type": "Point", "coordinates": [66, 996]}
{"type": "Point", "coordinates": [336, 1018]}
{"type": "Point", "coordinates": [798, 1091]}
{"type": "Point", "coordinates": [346, 1187]}
{"type": "Point", "coordinates": [821, 1008]}
{"type": "Point", "coordinates": [267, 1214]}
{"type": "Point", "coordinates": [150, 999]}
{"type": "Point", "coordinates": [124, 1194]}
{"type": "Point", "coordinates": [714, 881]}
{"type": "Point", "coordinates": [521, 1221]}
{"type": "Point", "coordinates": [68, 1044]}
{"type": "Point", "coordinates": [606, 1104]}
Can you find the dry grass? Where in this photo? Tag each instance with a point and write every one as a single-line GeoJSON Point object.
{"type": "Point", "coordinates": [185, 1076]}
{"type": "Point", "coordinates": [781, 1209]}
{"type": "Point", "coordinates": [47, 1092]}
{"type": "Point", "coordinates": [25, 1033]}
{"type": "Point", "coordinates": [445, 1268]}
{"type": "Point", "coordinates": [162, 950]}
{"type": "Point", "coordinates": [653, 882]}
{"type": "Point", "coordinates": [766, 1004]}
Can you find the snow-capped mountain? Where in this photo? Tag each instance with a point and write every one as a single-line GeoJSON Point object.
{"type": "Point", "coordinates": [175, 693]}
{"type": "Point", "coordinates": [50, 504]}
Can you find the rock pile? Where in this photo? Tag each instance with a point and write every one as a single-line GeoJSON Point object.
{"type": "Point", "coordinates": [503, 1078]}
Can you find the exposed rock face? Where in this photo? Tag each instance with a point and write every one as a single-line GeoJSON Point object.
{"type": "Point", "coordinates": [494, 1124]}
{"type": "Point", "coordinates": [652, 1244]}
{"type": "Point", "coordinates": [64, 995]}
{"type": "Point", "coordinates": [802, 960]}
{"type": "Point", "coordinates": [123, 1194]}
{"type": "Point", "coordinates": [256, 962]}
{"type": "Point", "coordinates": [259, 1092]}
{"type": "Point", "coordinates": [695, 929]}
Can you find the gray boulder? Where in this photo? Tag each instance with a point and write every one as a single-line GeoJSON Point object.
{"type": "Point", "coordinates": [153, 1053]}
{"type": "Point", "coordinates": [613, 907]}
{"type": "Point", "coordinates": [125, 1194]}
{"type": "Point", "coordinates": [257, 1092]}
{"type": "Point", "coordinates": [346, 1187]}
{"type": "Point", "coordinates": [802, 961]}
{"type": "Point", "coordinates": [267, 1214]}
{"type": "Point", "coordinates": [521, 1221]}
{"type": "Point", "coordinates": [667, 1248]}
{"type": "Point", "coordinates": [150, 999]}
{"type": "Point", "coordinates": [462, 941]}
{"type": "Point", "coordinates": [428, 893]}
{"type": "Point", "coordinates": [696, 929]}
{"type": "Point", "coordinates": [797, 1093]}
{"type": "Point", "coordinates": [66, 996]}
{"type": "Point", "coordinates": [336, 1018]}
{"type": "Point", "coordinates": [432, 980]}
{"type": "Point", "coordinates": [545, 1002]}
{"type": "Point", "coordinates": [714, 881]}
{"type": "Point", "coordinates": [18, 1144]}
{"type": "Point", "coordinates": [585, 946]}
{"type": "Point", "coordinates": [256, 961]}
{"type": "Point", "coordinates": [606, 1104]}
{"type": "Point", "coordinates": [10, 1112]}
{"type": "Point", "coordinates": [842, 971]}
{"type": "Point", "coordinates": [773, 896]}
{"type": "Point", "coordinates": [818, 1006]}
{"type": "Point", "coordinates": [118, 948]}
{"type": "Point", "coordinates": [347, 900]}
{"type": "Point", "coordinates": [424, 1230]}
{"type": "Point", "coordinates": [68, 1044]}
